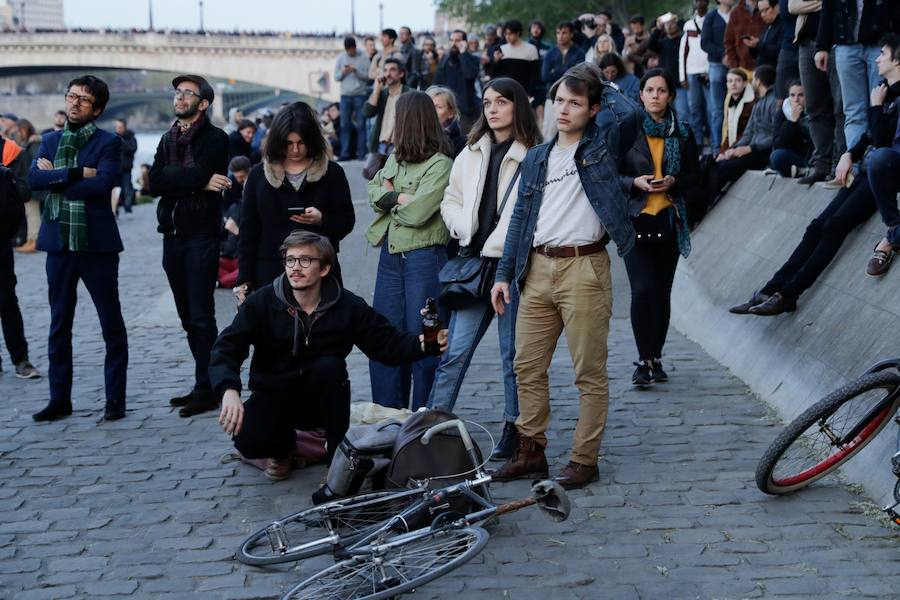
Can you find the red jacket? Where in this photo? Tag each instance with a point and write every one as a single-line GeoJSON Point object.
{"type": "Point", "coordinates": [741, 23]}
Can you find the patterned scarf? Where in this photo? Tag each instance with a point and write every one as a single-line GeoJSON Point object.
{"type": "Point", "coordinates": [69, 213]}
{"type": "Point", "coordinates": [178, 142]}
{"type": "Point", "coordinates": [674, 133]}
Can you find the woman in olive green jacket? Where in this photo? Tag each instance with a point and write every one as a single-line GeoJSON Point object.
{"type": "Point", "coordinates": [406, 197]}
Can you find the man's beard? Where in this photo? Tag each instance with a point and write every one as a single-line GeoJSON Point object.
{"type": "Point", "coordinates": [187, 113]}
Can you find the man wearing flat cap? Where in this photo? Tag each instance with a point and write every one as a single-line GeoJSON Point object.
{"type": "Point", "coordinates": [189, 174]}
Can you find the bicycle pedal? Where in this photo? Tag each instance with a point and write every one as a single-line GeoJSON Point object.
{"type": "Point", "coordinates": [277, 538]}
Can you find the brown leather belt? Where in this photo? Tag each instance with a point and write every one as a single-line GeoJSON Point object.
{"type": "Point", "coordinates": [570, 251]}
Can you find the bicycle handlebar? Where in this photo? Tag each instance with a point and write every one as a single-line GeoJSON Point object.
{"type": "Point", "coordinates": [459, 424]}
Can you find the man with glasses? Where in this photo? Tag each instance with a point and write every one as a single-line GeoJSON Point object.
{"type": "Point", "coordinates": [302, 326]}
{"type": "Point", "coordinates": [189, 173]}
{"type": "Point", "coordinates": [79, 165]}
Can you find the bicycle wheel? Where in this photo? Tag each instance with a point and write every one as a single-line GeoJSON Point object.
{"type": "Point", "coordinates": [807, 449]}
{"type": "Point", "coordinates": [309, 532]}
{"type": "Point", "coordinates": [390, 569]}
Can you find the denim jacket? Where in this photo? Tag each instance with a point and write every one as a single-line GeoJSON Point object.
{"type": "Point", "coordinates": [596, 159]}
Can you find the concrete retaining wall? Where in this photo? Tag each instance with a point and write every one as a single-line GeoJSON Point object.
{"type": "Point", "coordinates": [844, 323]}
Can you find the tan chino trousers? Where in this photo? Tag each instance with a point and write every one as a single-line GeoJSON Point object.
{"type": "Point", "coordinates": [572, 295]}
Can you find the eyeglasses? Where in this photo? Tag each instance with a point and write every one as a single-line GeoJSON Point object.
{"type": "Point", "coordinates": [73, 98]}
{"type": "Point", "coordinates": [304, 261]}
{"type": "Point", "coordinates": [189, 94]}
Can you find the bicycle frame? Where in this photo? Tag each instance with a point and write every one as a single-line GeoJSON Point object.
{"type": "Point", "coordinates": [431, 503]}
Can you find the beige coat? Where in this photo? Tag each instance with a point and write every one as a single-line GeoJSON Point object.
{"type": "Point", "coordinates": [463, 194]}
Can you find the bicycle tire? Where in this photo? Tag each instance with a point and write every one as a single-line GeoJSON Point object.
{"type": "Point", "coordinates": [817, 456]}
{"type": "Point", "coordinates": [350, 518]}
{"type": "Point", "coordinates": [380, 574]}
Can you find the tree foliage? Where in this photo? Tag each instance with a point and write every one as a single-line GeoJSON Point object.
{"type": "Point", "coordinates": [551, 12]}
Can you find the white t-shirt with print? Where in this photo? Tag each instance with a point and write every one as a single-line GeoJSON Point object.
{"type": "Point", "coordinates": [566, 217]}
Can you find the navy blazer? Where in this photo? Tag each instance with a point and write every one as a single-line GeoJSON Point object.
{"type": "Point", "coordinates": [102, 152]}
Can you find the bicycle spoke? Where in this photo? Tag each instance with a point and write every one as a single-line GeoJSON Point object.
{"type": "Point", "coordinates": [392, 568]}
{"type": "Point", "coordinates": [818, 442]}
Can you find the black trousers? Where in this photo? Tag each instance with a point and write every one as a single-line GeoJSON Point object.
{"type": "Point", "coordinates": [727, 171]}
{"type": "Point", "coordinates": [321, 401]}
{"type": "Point", "coordinates": [192, 267]}
{"type": "Point", "coordinates": [651, 271]}
{"type": "Point", "coordinates": [822, 240]}
{"type": "Point", "coordinates": [10, 314]}
{"type": "Point", "coordinates": [100, 273]}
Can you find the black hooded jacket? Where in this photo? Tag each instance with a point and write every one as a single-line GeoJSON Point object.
{"type": "Point", "coordinates": [285, 338]}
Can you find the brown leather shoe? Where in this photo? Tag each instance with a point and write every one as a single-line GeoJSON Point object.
{"type": "Point", "coordinates": [528, 462]}
{"type": "Point", "coordinates": [743, 309]}
{"type": "Point", "coordinates": [576, 475]}
{"type": "Point", "coordinates": [279, 469]}
{"type": "Point", "coordinates": [879, 263]}
{"type": "Point", "coordinates": [775, 305]}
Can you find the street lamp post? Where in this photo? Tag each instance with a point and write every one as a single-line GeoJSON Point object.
{"type": "Point", "coordinates": [352, 17]}
{"type": "Point", "coordinates": [380, 16]}
{"type": "Point", "coordinates": [201, 16]}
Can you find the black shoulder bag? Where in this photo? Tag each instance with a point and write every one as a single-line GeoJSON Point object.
{"type": "Point", "coordinates": [467, 280]}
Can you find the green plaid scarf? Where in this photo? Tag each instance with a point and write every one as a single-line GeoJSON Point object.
{"type": "Point", "coordinates": [69, 213]}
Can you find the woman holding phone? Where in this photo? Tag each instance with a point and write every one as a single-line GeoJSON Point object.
{"type": "Point", "coordinates": [406, 197]}
{"type": "Point", "coordinates": [296, 186]}
{"type": "Point", "coordinates": [655, 172]}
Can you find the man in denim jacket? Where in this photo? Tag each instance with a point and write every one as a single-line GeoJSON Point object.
{"type": "Point", "coordinates": [569, 206]}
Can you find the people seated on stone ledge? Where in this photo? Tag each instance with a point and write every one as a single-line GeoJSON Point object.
{"type": "Point", "coordinates": [752, 150]}
{"type": "Point", "coordinates": [302, 327]}
{"type": "Point", "coordinates": [792, 147]}
{"type": "Point", "coordinates": [884, 164]}
{"type": "Point", "coordinates": [852, 206]}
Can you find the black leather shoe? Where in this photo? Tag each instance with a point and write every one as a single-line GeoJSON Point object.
{"type": "Point", "coordinates": [114, 413]}
{"type": "Point", "coordinates": [508, 443]}
{"type": "Point", "coordinates": [775, 305]}
{"type": "Point", "coordinates": [201, 402]}
{"type": "Point", "coordinates": [182, 400]}
{"type": "Point", "coordinates": [743, 309]}
{"type": "Point", "coordinates": [813, 177]}
{"type": "Point", "coordinates": [52, 413]}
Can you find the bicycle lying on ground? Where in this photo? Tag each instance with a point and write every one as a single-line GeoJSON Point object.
{"type": "Point", "coordinates": [834, 430]}
{"type": "Point", "coordinates": [389, 543]}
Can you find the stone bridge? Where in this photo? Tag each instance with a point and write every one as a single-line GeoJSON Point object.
{"type": "Point", "coordinates": [299, 64]}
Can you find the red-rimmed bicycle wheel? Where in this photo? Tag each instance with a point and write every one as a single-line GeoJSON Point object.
{"type": "Point", "coordinates": [806, 450]}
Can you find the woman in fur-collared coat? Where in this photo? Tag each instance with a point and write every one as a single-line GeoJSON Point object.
{"type": "Point", "coordinates": [296, 186]}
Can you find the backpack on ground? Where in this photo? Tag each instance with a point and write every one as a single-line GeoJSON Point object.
{"type": "Point", "coordinates": [360, 462]}
{"type": "Point", "coordinates": [444, 461]}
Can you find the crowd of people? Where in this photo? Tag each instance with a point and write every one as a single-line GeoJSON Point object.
{"type": "Point", "coordinates": [497, 176]}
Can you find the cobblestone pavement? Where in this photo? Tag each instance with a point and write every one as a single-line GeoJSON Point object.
{"type": "Point", "coordinates": [144, 508]}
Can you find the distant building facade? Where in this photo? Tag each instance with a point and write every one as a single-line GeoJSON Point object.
{"type": "Point", "coordinates": [31, 14]}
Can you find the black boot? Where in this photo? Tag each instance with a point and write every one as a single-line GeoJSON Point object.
{"type": "Point", "coordinates": [52, 413]}
{"type": "Point", "coordinates": [182, 400]}
{"type": "Point", "coordinates": [506, 447]}
{"type": "Point", "coordinates": [201, 402]}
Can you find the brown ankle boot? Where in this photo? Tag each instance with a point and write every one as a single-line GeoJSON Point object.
{"type": "Point", "coordinates": [528, 462]}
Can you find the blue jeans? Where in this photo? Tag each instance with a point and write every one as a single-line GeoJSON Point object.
{"type": "Point", "coordinates": [700, 106]}
{"type": "Point", "coordinates": [127, 195]}
{"type": "Point", "coordinates": [782, 160]}
{"type": "Point", "coordinates": [717, 75]}
{"type": "Point", "coordinates": [192, 267]}
{"type": "Point", "coordinates": [351, 118]}
{"type": "Point", "coordinates": [681, 105]}
{"type": "Point", "coordinates": [467, 327]}
{"type": "Point", "coordinates": [858, 75]}
{"type": "Point", "coordinates": [883, 165]}
{"type": "Point", "coordinates": [404, 281]}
